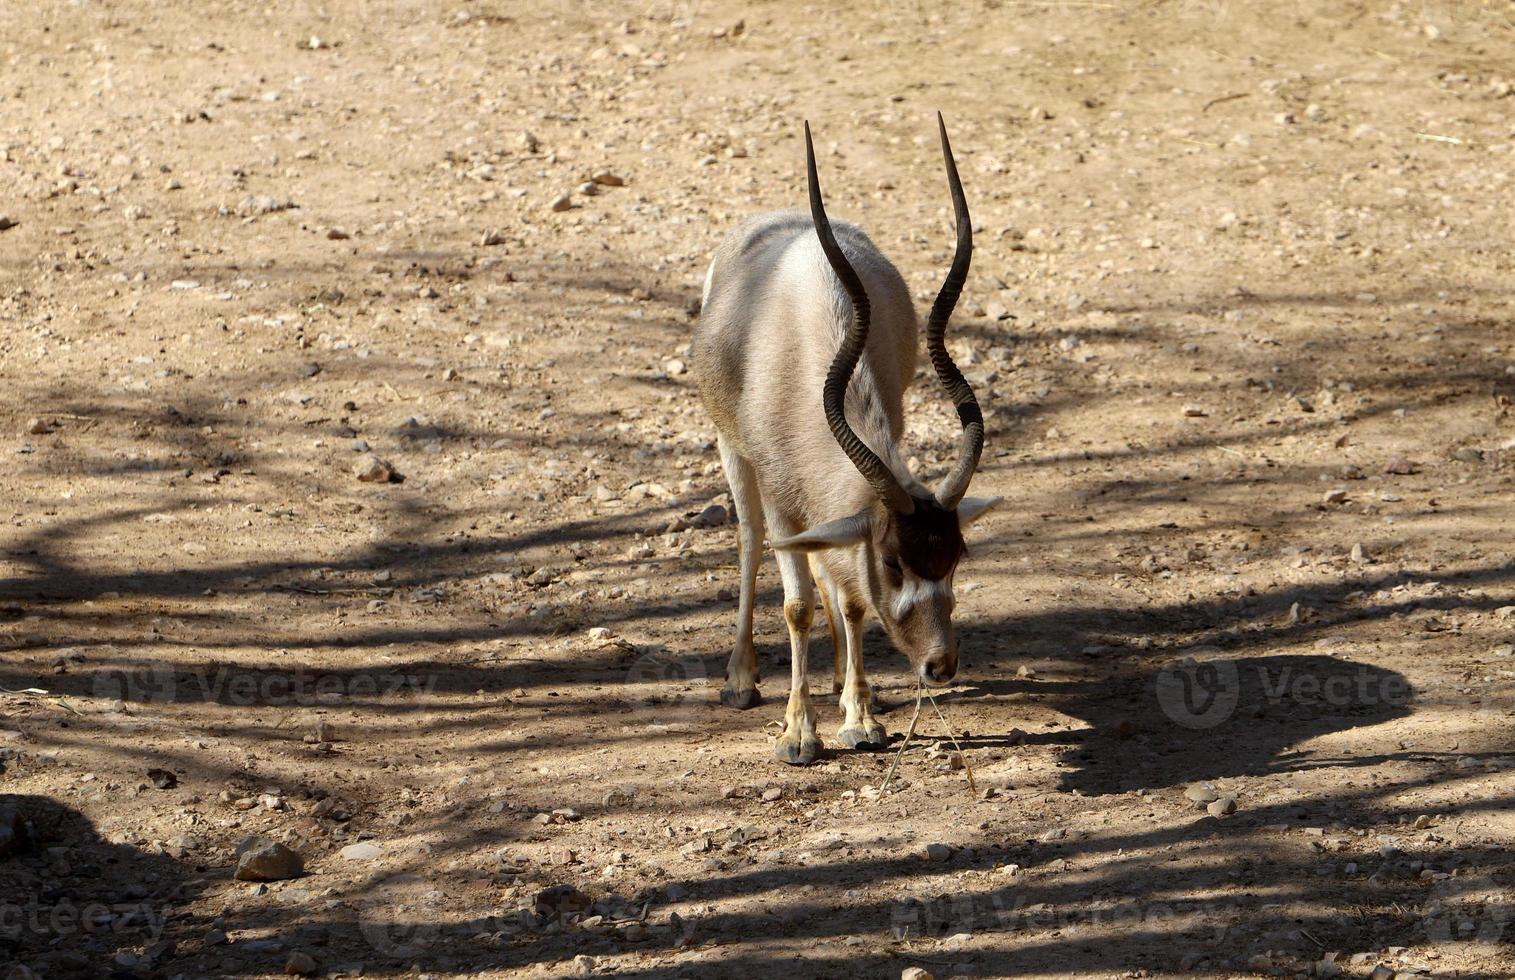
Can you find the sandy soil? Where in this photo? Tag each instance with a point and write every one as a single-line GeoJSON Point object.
{"type": "Point", "coordinates": [1240, 316]}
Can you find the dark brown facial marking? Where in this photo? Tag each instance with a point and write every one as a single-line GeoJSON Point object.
{"type": "Point", "coordinates": [929, 541]}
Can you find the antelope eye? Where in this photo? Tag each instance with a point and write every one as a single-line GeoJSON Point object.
{"type": "Point", "coordinates": [892, 563]}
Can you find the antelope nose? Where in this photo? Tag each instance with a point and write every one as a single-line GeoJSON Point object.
{"type": "Point", "coordinates": [939, 668]}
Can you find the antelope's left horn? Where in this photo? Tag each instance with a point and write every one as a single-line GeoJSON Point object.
{"type": "Point", "coordinates": [955, 484]}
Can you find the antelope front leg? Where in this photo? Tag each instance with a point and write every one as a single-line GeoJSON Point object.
{"type": "Point", "coordinates": [860, 730]}
{"type": "Point", "coordinates": [798, 745]}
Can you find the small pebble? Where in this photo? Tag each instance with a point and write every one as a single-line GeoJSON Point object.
{"type": "Point", "coordinates": [372, 469]}
{"type": "Point", "coordinates": [361, 851]}
{"type": "Point", "coordinates": [1201, 793]}
{"type": "Point", "coordinates": [714, 515]}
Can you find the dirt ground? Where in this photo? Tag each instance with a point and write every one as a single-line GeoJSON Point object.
{"type": "Point", "coordinates": [1240, 316]}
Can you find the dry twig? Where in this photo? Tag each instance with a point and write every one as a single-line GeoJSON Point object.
{"type": "Point", "coordinates": [920, 690]}
{"type": "Point", "coordinates": [920, 693]}
{"type": "Point", "coordinates": [1223, 98]}
{"type": "Point", "coordinates": [972, 787]}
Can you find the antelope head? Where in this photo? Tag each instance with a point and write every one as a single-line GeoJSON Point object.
{"type": "Point", "coordinates": [911, 538]}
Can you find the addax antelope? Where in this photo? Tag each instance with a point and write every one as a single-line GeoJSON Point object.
{"type": "Point", "coordinates": [804, 349]}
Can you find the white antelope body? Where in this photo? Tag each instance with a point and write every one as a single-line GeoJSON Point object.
{"type": "Point", "coordinates": [806, 343]}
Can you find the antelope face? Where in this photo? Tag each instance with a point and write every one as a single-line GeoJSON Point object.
{"type": "Point", "coordinates": [908, 562]}
{"type": "Point", "coordinates": [912, 560]}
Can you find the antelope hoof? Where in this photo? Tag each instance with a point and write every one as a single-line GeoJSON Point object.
{"type": "Point", "coordinates": [797, 750]}
{"type": "Point", "coordinates": [742, 698]}
{"type": "Point", "coordinates": [866, 737]}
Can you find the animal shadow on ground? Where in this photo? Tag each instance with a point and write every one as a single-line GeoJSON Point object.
{"type": "Point", "coordinates": [73, 903]}
{"type": "Point", "coordinates": [1195, 720]}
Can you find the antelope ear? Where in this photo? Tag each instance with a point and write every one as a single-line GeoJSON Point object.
{"type": "Point", "coordinates": [839, 533]}
{"type": "Point", "coordinates": [970, 509]}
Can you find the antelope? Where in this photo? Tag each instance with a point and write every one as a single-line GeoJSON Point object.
{"type": "Point", "coordinates": [798, 309]}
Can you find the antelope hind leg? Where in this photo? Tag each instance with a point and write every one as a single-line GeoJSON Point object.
{"type": "Point", "coordinates": [740, 690]}
{"type": "Point", "coordinates": [828, 596]}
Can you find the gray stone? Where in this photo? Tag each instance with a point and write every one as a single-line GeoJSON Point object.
{"type": "Point", "coordinates": [1201, 793]}
{"type": "Point", "coordinates": [362, 851]}
{"type": "Point", "coordinates": [714, 515]}
{"type": "Point", "coordinates": [261, 859]}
